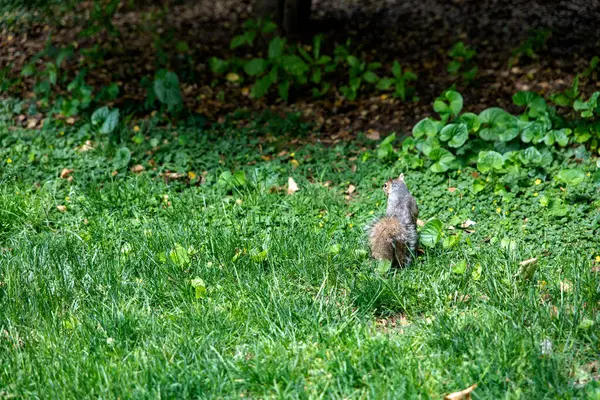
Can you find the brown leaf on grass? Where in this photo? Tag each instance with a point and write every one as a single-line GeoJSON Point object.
{"type": "Point", "coordinates": [462, 395]}
{"type": "Point", "coordinates": [528, 262]}
{"type": "Point", "coordinates": [136, 169]}
{"type": "Point", "coordinates": [467, 223]}
{"type": "Point", "coordinates": [596, 268]}
{"type": "Point", "coordinates": [351, 189]}
{"type": "Point", "coordinates": [373, 134]}
{"type": "Point", "coordinates": [173, 175]}
{"type": "Point", "coordinates": [65, 173]}
{"type": "Point", "coordinates": [452, 189]}
{"type": "Point", "coordinates": [70, 120]}
{"type": "Point", "coordinates": [420, 223]}
{"type": "Point", "coordinates": [86, 146]}
{"type": "Point", "coordinates": [32, 123]}
{"type": "Point", "coordinates": [565, 286]}
{"type": "Point", "coordinates": [292, 186]}
{"type": "Point", "coordinates": [61, 208]}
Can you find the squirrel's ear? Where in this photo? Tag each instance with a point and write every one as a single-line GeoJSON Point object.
{"type": "Point", "coordinates": [401, 178]}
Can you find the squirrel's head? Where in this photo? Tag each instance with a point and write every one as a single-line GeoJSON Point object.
{"type": "Point", "coordinates": [393, 184]}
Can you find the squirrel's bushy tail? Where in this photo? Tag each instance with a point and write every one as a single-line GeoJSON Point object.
{"type": "Point", "coordinates": [391, 240]}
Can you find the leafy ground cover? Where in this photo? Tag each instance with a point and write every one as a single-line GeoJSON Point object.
{"type": "Point", "coordinates": [124, 275]}
{"type": "Point", "coordinates": [88, 54]}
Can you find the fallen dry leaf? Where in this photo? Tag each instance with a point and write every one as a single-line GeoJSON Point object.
{"type": "Point", "coordinates": [463, 394]}
{"type": "Point", "coordinates": [452, 189]}
{"type": "Point", "coordinates": [565, 286]}
{"type": "Point", "coordinates": [351, 189]}
{"type": "Point", "coordinates": [64, 174]}
{"type": "Point", "coordinates": [292, 186]}
{"type": "Point", "coordinates": [294, 163]}
{"type": "Point", "coordinates": [31, 123]}
{"type": "Point", "coordinates": [61, 208]}
{"type": "Point", "coordinates": [136, 169]}
{"type": "Point", "coordinates": [528, 262]}
{"type": "Point", "coordinates": [373, 134]}
{"type": "Point", "coordinates": [86, 146]}
{"type": "Point", "coordinates": [420, 222]}
{"type": "Point", "coordinates": [70, 120]}
{"type": "Point", "coordinates": [467, 224]}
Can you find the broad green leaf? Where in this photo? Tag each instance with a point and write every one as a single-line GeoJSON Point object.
{"type": "Point", "coordinates": [283, 89]}
{"type": "Point", "coordinates": [456, 134]}
{"type": "Point", "coordinates": [237, 41]}
{"type": "Point", "coordinates": [425, 127]}
{"type": "Point", "coordinates": [217, 65]}
{"type": "Point", "coordinates": [110, 123]}
{"type": "Point", "coordinates": [334, 249]}
{"type": "Point", "coordinates": [489, 160]}
{"type": "Point", "coordinates": [385, 149]}
{"type": "Point", "coordinates": [100, 115]}
{"type": "Point", "coordinates": [586, 324]}
{"type": "Point", "coordinates": [530, 156]}
{"type": "Point", "coordinates": [122, 158]}
{"type": "Point", "coordinates": [229, 180]}
{"type": "Point", "coordinates": [497, 124]}
{"type": "Point", "coordinates": [442, 159]}
{"type": "Point", "coordinates": [472, 121]}
{"type": "Point", "coordinates": [199, 288]}
{"type": "Point", "coordinates": [370, 77]}
{"type": "Point", "coordinates": [383, 266]}
{"type": "Point", "coordinates": [294, 65]}
{"type": "Point", "coordinates": [450, 241]}
{"type": "Point", "coordinates": [276, 47]}
{"type": "Point", "coordinates": [534, 132]}
{"type": "Point", "coordinates": [428, 145]}
{"type": "Point", "coordinates": [396, 69]}
{"type": "Point", "coordinates": [454, 66]}
{"type": "Point", "coordinates": [268, 27]}
{"type": "Point", "coordinates": [440, 107]}
{"type": "Point", "coordinates": [258, 256]}
{"type": "Point", "coordinates": [431, 233]}
{"type": "Point", "coordinates": [261, 87]}
{"type": "Point", "coordinates": [456, 101]}
{"type": "Point", "coordinates": [571, 176]}
{"type": "Point", "coordinates": [530, 99]}
{"type": "Point", "coordinates": [460, 267]}
{"type": "Point", "coordinates": [179, 256]}
{"type": "Point", "coordinates": [256, 66]}
{"type": "Point", "coordinates": [385, 83]}
{"type": "Point", "coordinates": [166, 87]}
{"type": "Point", "coordinates": [353, 61]}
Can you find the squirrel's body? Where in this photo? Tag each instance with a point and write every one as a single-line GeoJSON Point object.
{"type": "Point", "coordinates": [394, 237]}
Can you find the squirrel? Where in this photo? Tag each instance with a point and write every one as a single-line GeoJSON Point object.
{"type": "Point", "coordinates": [394, 236]}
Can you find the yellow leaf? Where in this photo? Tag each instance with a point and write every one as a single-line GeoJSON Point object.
{"type": "Point", "coordinates": [292, 186]}
{"type": "Point", "coordinates": [462, 395]}
{"type": "Point", "coordinates": [136, 128]}
{"type": "Point", "coordinates": [294, 163]}
{"type": "Point", "coordinates": [191, 175]}
{"type": "Point", "coordinates": [232, 77]}
{"type": "Point", "coordinates": [61, 208]}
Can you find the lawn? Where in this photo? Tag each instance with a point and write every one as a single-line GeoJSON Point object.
{"type": "Point", "coordinates": [215, 282]}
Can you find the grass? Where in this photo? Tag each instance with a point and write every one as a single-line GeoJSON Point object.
{"type": "Point", "coordinates": [98, 301]}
